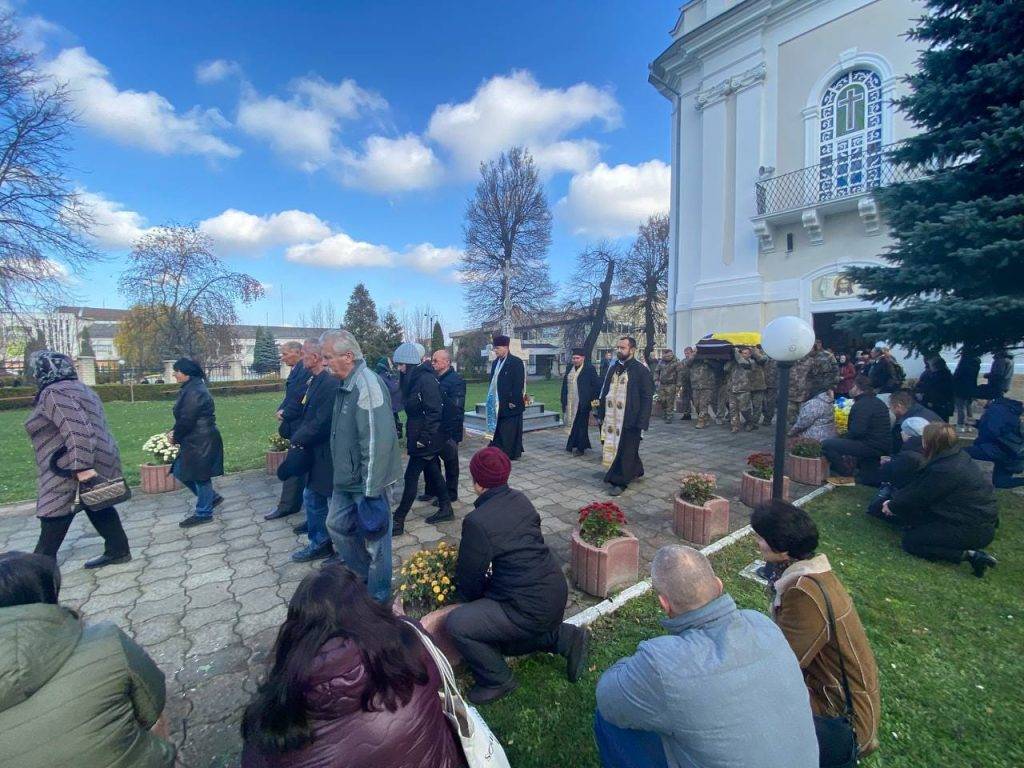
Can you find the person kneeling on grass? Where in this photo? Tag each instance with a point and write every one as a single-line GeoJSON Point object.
{"type": "Point", "coordinates": [512, 585]}
{"type": "Point", "coordinates": [867, 438]}
{"type": "Point", "coordinates": [949, 509]}
{"type": "Point", "coordinates": [722, 688]}
{"type": "Point", "coordinates": [1000, 441]}
{"type": "Point", "coordinates": [833, 652]}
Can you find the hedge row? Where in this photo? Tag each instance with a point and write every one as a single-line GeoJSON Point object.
{"type": "Point", "coordinates": [112, 392]}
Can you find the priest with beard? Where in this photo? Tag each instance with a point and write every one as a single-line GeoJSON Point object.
{"type": "Point", "coordinates": [580, 386]}
{"type": "Point", "coordinates": [624, 410]}
{"type": "Point", "coordinates": [505, 400]}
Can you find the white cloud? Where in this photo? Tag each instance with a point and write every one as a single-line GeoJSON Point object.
{"type": "Point", "coordinates": [142, 119]}
{"type": "Point", "coordinates": [113, 226]}
{"type": "Point", "coordinates": [427, 257]}
{"type": "Point", "coordinates": [235, 231]}
{"type": "Point", "coordinates": [514, 109]}
{"type": "Point", "coordinates": [612, 201]}
{"type": "Point", "coordinates": [215, 71]}
{"type": "Point", "coordinates": [341, 251]}
{"type": "Point", "coordinates": [304, 127]}
{"type": "Point", "coordinates": [393, 165]}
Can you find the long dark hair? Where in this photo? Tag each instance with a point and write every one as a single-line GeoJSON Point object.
{"type": "Point", "coordinates": [329, 603]}
{"type": "Point", "coordinates": [27, 578]}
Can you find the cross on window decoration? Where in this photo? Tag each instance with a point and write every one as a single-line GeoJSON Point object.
{"type": "Point", "coordinates": [849, 108]}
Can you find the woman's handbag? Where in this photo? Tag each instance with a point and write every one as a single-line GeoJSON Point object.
{"type": "Point", "coordinates": [481, 748]}
{"type": "Point", "coordinates": [107, 493]}
{"type": "Point", "coordinates": [837, 740]}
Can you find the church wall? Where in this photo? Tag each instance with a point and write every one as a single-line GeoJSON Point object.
{"type": "Point", "coordinates": [876, 28]}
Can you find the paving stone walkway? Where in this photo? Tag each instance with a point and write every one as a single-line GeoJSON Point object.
{"type": "Point", "coordinates": [206, 602]}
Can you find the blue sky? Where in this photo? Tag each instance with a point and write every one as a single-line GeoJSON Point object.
{"type": "Point", "coordinates": [322, 144]}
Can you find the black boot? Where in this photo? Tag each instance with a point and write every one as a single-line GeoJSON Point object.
{"type": "Point", "coordinates": [980, 561]}
{"type": "Point", "coordinates": [398, 525]}
{"type": "Point", "coordinates": [443, 514]}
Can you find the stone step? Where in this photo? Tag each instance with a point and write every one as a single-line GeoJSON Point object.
{"type": "Point", "coordinates": [535, 418]}
{"type": "Point", "coordinates": [481, 408]}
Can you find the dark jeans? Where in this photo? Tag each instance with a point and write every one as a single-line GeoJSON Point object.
{"type": "Point", "coordinates": [431, 468]}
{"type": "Point", "coordinates": [291, 495]}
{"type": "Point", "coordinates": [943, 541]}
{"type": "Point", "coordinates": [834, 747]}
{"type": "Point", "coordinates": [485, 635]}
{"type": "Point", "coordinates": [1004, 466]}
{"type": "Point", "coordinates": [626, 748]}
{"type": "Point", "coordinates": [450, 459]}
{"type": "Point", "coordinates": [316, 517]}
{"type": "Point", "coordinates": [52, 531]}
{"type": "Point", "coordinates": [835, 449]}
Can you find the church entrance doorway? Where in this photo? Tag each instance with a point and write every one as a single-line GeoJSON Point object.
{"type": "Point", "coordinates": [837, 339]}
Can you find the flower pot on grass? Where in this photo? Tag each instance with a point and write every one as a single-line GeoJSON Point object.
{"type": "Point", "coordinates": [808, 470]}
{"type": "Point", "coordinates": [157, 478]}
{"type": "Point", "coordinates": [426, 591]}
{"type": "Point", "coordinates": [756, 483]}
{"type": "Point", "coordinates": [604, 556]}
{"type": "Point", "coordinates": [698, 514]}
{"type": "Point", "coordinates": [434, 624]}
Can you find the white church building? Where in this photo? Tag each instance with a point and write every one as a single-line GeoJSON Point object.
{"type": "Point", "coordinates": [781, 114]}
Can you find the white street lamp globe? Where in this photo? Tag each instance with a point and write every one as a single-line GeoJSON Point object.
{"type": "Point", "coordinates": [787, 339]}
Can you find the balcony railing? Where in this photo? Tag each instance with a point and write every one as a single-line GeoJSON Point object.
{"type": "Point", "coordinates": [841, 177]}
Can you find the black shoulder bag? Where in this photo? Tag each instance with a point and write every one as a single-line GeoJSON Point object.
{"type": "Point", "coordinates": [837, 740]}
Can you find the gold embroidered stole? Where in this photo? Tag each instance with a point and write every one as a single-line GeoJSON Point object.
{"type": "Point", "coordinates": [614, 415]}
{"type": "Point", "coordinates": [573, 400]}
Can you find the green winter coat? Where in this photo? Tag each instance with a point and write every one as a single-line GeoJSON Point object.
{"type": "Point", "coordinates": [72, 695]}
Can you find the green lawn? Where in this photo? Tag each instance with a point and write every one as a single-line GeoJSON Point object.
{"type": "Point", "coordinates": [949, 649]}
{"type": "Point", "coordinates": [245, 421]}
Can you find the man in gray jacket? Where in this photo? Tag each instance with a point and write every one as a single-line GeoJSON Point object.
{"type": "Point", "coordinates": [721, 690]}
{"type": "Point", "coordinates": [367, 462]}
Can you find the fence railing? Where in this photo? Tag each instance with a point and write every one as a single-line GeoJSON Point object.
{"type": "Point", "coordinates": [841, 176]}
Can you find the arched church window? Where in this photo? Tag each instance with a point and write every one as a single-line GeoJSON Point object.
{"type": "Point", "coordinates": [850, 138]}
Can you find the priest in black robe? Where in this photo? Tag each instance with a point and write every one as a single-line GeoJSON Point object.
{"type": "Point", "coordinates": [580, 386]}
{"type": "Point", "coordinates": [624, 410]}
{"type": "Point", "coordinates": [505, 399]}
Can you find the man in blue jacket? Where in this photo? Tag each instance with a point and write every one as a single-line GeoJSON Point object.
{"type": "Point", "coordinates": [722, 688]}
{"type": "Point", "coordinates": [1000, 441]}
{"type": "Point", "coordinates": [289, 412]}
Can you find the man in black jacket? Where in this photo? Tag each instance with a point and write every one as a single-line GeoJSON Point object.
{"type": "Point", "coordinates": [505, 399]}
{"type": "Point", "coordinates": [580, 387]}
{"type": "Point", "coordinates": [624, 410]}
{"type": "Point", "coordinates": [288, 412]}
{"type": "Point", "coordinates": [512, 587]}
{"type": "Point", "coordinates": [453, 412]}
{"type": "Point", "coordinates": [867, 438]}
{"type": "Point", "coordinates": [312, 435]}
{"type": "Point", "coordinates": [424, 438]}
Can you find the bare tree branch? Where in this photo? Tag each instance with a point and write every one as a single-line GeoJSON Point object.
{"type": "Point", "coordinates": [589, 293]}
{"type": "Point", "coordinates": [644, 274]}
{"type": "Point", "coordinates": [507, 233]}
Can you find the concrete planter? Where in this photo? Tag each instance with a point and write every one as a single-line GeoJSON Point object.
{"type": "Point", "coordinates": [701, 524]}
{"type": "Point", "coordinates": [157, 478]}
{"type": "Point", "coordinates": [274, 460]}
{"type": "Point", "coordinates": [754, 491]}
{"type": "Point", "coordinates": [806, 470]}
{"type": "Point", "coordinates": [599, 571]}
{"type": "Point", "coordinates": [433, 623]}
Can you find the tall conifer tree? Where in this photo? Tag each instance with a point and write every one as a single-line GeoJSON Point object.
{"type": "Point", "coordinates": [957, 274]}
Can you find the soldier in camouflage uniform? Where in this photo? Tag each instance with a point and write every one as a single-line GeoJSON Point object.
{"type": "Point", "coordinates": [824, 372]}
{"type": "Point", "coordinates": [721, 392]}
{"type": "Point", "coordinates": [737, 372]}
{"type": "Point", "coordinates": [758, 384]}
{"type": "Point", "coordinates": [703, 385]}
{"type": "Point", "coordinates": [684, 381]}
{"type": "Point", "coordinates": [798, 386]}
{"type": "Point", "coordinates": [666, 377]}
{"type": "Point", "coordinates": [771, 381]}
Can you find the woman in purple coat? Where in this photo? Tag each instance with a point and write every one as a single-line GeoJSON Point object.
{"type": "Point", "coordinates": [351, 685]}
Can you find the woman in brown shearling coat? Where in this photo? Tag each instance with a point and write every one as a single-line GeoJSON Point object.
{"type": "Point", "coordinates": [787, 538]}
{"type": "Point", "coordinates": [73, 445]}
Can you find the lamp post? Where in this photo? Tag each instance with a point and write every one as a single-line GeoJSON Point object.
{"type": "Point", "coordinates": [785, 339]}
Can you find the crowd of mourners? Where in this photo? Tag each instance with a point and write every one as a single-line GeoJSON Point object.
{"type": "Point", "coordinates": [352, 682]}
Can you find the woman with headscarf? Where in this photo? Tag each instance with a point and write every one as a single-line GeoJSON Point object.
{"type": "Point", "coordinates": [201, 450]}
{"type": "Point", "coordinates": [73, 446]}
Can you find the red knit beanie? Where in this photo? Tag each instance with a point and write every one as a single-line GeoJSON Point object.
{"type": "Point", "coordinates": [490, 467]}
